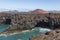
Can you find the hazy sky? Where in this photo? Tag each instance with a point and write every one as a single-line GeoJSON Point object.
{"type": "Point", "coordinates": [30, 4]}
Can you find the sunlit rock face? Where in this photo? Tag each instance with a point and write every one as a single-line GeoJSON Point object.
{"type": "Point", "coordinates": [52, 35]}
{"type": "Point", "coordinates": [27, 20]}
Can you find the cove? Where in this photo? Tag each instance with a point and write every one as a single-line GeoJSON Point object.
{"type": "Point", "coordinates": [24, 35]}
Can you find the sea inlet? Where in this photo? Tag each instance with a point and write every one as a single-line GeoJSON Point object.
{"type": "Point", "coordinates": [24, 35]}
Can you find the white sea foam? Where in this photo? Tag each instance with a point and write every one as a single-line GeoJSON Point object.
{"type": "Point", "coordinates": [18, 32]}
{"type": "Point", "coordinates": [14, 33]}
{"type": "Point", "coordinates": [26, 31]}
{"type": "Point", "coordinates": [3, 35]}
{"type": "Point", "coordinates": [44, 29]}
{"type": "Point", "coordinates": [33, 29]}
{"type": "Point", "coordinates": [19, 39]}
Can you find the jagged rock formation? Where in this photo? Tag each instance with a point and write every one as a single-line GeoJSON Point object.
{"type": "Point", "coordinates": [53, 35]}
{"type": "Point", "coordinates": [26, 20]}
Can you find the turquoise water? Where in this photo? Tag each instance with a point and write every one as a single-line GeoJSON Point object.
{"type": "Point", "coordinates": [3, 27]}
{"type": "Point", "coordinates": [24, 35]}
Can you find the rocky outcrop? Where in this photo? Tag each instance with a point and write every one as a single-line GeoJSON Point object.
{"type": "Point", "coordinates": [53, 35]}
{"type": "Point", "coordinates": [21, 21]}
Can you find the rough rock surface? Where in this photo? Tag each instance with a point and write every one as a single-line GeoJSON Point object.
{"type": "Point", "coordinates": [53, 35]}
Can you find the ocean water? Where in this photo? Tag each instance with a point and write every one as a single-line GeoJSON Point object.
{"type": "Point", "coordinates": [24, 35]}
{"type": "Point", "coordinates": [3, 27]}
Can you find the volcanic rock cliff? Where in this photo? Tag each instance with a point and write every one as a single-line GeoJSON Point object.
{"type": "Point", "coordinates": [20, 20]}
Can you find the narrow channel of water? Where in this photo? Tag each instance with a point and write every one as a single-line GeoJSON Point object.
{"type": "Point", "coordinates": [24, 35]}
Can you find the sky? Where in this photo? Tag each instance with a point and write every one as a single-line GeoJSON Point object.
{"type": "Point", "coordinates": [29, 4]}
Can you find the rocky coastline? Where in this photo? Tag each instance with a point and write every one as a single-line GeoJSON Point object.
{"type": "Point", "coordinates": [52, 35]}
{"type": "Point", "coordinates": [21, 22]}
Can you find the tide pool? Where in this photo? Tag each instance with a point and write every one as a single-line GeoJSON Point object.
{"type": "Point", "coordinates": [24, 35]}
